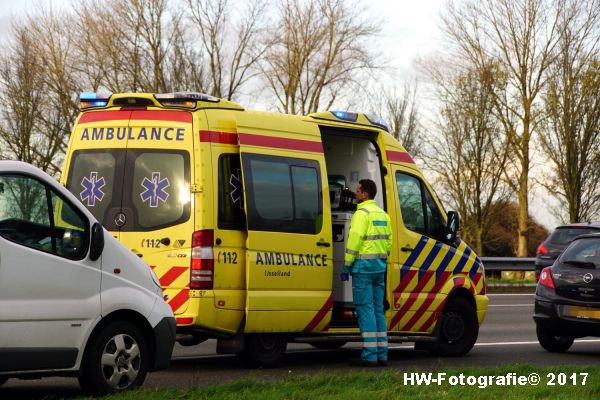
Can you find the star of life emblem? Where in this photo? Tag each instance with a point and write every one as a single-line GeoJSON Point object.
{"type": "Point", "coordinates": [155, 190]}
{"type": "Point", "coordinates": [92, 189]}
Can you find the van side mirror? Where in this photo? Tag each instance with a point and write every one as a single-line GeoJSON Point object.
{"type": "Point", "coordinates": [452, 227]}
{"type": "Point", "coordinates": [97, 242]}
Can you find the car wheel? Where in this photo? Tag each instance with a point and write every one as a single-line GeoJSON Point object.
{"type": "Point", "coordinates": [3, 381]}
{"type": "Point", "coordinates": [328, 345]}
{"type": "Point", "coordinates": [262, 350]}
{"type": "Point", "coordinates": [458, 329]}
{"type": "Point", "coordinates": [116, 359]}
{"type": "Point", "coordinates": [549, 341]}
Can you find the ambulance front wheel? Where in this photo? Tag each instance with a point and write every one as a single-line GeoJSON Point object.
{"type": "Point", "coordinates": [458, 330]}
{"type": "Point", "coordinates": [263, 350]}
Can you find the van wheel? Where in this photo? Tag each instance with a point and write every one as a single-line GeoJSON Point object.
{"type": "Point", "coordinates": [458, 330]}
{"type": "Point", "coordinates": [3, 381]}
{"type": "Point", "coordinates": [551, 342]}
{"type": "Point", "coordinates": [328, 345]}
{"type": "Point", "coordinates": [117, 359]}
{"type": "Point", "coordinates": [263, 350]}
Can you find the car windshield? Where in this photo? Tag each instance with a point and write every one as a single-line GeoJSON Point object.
{"type": "Point", "coordinates": [565, 235]}
{"type": "Point", "coordinates": [583, 253]}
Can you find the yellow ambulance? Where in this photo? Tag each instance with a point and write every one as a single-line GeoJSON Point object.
{"type": "Point", "coordinates": [244, 215]}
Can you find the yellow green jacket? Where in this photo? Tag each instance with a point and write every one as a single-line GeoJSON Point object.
{"type": "Point", "coordinates": [369, 240]}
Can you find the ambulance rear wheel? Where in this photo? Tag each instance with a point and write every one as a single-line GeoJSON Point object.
{"type": "Point", "coordinates": [328, 345]}
{"type": "Point", "coordinates": [263, 350]}
{"type": "Point", "coordinates": [458, 330]}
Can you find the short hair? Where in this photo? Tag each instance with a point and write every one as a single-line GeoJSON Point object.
{"type": "Point", "coordinates": [369, 187]}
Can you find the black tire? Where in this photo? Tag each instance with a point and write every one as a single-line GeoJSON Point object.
{"type": "Point", "coordinates": [328, 345]}
{"type": "Point", "coordinates": [551, 342]}
{"type": "Point", "coordinates": [116, 360]}
{"type": "Point", "coordinates": [458, 329]}
{"type": "Point", "coordinates": [263, 350]}
{"type": "Point", "coordinates": [3, 381]}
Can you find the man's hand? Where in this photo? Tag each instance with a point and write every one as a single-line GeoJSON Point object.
{"type": "Point", "coordinates": [344, 277]}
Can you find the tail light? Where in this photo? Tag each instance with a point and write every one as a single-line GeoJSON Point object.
{"type": "Point", "coordinates": [542, 250]}
{"type": "Point", "coordinates": [546, 278]}
{"type": "Point", "coordinates": [203, 260]}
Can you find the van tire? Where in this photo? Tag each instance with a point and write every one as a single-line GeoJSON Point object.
{"type": "Point", "coordinates": [3, 381]}
{"type": "Point", "coordinates": [333, 345]}
{"type": "Point", "coordinates": [263, 350]}
{"type": "Point", "coordinates": [551, 342]}
{"type": "Point", "coordinates": [119, 345]}
{"type": "Point", "coordinates": [457, 329]}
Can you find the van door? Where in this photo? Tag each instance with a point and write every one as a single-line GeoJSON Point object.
{"type": "Point", "coordinates": [49, 288]}
{"type": "Point", "coordinates": [425, 260]}
{"type": "Point", "coordinates": [157, 198]}
{"type": "Point", "coordinates": [289, 254]}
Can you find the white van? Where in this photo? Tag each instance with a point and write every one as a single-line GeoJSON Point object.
{"type": "Point", "coordinates": [73, 300]}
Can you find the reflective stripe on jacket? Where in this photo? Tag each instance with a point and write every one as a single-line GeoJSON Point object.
{"type": "Point", "coordinates": [369, 240]}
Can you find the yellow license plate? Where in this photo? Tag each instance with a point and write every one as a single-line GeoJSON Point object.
{"type": "Point", "coordinates": [582, 312]}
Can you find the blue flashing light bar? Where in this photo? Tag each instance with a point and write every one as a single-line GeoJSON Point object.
{"type": "Point", "coordinates": [345, 116]}
{"type": "Point", "coordinates": [91, 99]}
{"type": "Point", "coordinates": [379, 121]}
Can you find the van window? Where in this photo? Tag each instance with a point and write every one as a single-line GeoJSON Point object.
{"type": "Point", "coordinates": [284, 194]}
{"type": "Point", "coordinates": [30, 215]}
{"type": "Point", "coordinates": [231, 193]}
{"type": "Point", "coordinates": [160, 192]}
{"type": "Point", "coordinates": [419, 211]}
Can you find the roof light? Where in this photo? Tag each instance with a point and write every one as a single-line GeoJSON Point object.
{"type": "Point", "coordinates": [91, 99]}
{"type": "Point", "coordinates": [184, 99]}
{"type": "Point", "coordinates": [379, 121]}
{"type": "Point", "coordinates": [345, 116]}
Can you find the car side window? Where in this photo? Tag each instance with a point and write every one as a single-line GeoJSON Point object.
{"type": "Point", "coordinates": [33, 215]}
{"type": "Point", "coordinates": [420, 212]}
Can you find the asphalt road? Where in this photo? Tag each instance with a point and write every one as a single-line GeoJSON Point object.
{"type": "Point", "coordinates": [507, 337]}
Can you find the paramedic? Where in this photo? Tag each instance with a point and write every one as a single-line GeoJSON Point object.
{"type": "Point", "coordinates": [369, 245]}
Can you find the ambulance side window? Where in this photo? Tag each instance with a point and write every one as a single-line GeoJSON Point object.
{"type": "Point", "coordinates": [31, 215]}
{"type": "Point", "coordinates": [231, 193]}
{"type": "Point", "coordinates": [283, 194]}
{"type": "Point", "coordinates": [419, 211]}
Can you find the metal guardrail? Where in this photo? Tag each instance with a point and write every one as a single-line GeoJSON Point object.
{"type": "Point", "coordinates": [508, 263]}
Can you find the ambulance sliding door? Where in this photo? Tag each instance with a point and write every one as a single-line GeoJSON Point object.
{"type": "Point", "coordinates": [289, 257]}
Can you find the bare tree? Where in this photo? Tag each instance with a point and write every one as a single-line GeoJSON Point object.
{"type": "Point", "coordinates": [520, 36]}
{"type": "Point", "coordinates": [23, 100]}
{"type": "Point", "coordinates": [471, 151]}
{"type": "Point", "coordinates": [233, 48]}
{"type": "Point", "coordinates": [400, 109]}
{"type": "Point", "coordinates": [571, 134]}
{"type": "Point", "coordinates": [318, 48]}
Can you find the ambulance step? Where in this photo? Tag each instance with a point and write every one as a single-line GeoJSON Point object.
{"type": "Point", "coordinates": [357, 338]}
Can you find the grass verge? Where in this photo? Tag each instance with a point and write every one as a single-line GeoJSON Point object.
{"type": "Point", "coordinates": [555, 383]}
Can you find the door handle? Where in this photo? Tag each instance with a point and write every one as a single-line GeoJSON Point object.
{"type": "Point", "coordinates": [406, 249]}
{"type": "Point", "coordinates": [324, 244]}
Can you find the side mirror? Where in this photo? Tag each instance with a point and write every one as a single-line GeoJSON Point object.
{"type": "Point", "coordinates": [452, 227]}
{"type": "Point", "coordinates": [97, 242]}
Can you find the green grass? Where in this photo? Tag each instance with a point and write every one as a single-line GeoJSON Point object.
{"type": "Point", "coordinates": [388, 384]}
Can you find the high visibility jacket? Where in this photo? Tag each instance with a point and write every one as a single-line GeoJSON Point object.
{"type": "Point", "coordinates": [369, 240]}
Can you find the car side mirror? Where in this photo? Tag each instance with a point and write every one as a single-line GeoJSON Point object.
{"type": "Point", "coordinates": [97, 242]}
{"type": "Point", "coordinates": [452, 227]}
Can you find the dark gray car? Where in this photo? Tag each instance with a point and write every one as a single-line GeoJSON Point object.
{"type": "Point", "coordinates": [567, 298]}
{"type": "Point", "coordinates": [558, 240]}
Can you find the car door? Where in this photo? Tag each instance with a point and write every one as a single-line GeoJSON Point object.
{"type": "Point", "coordinates": [289, 254]}
{"type": "Point", "coordinates": [49, 289]}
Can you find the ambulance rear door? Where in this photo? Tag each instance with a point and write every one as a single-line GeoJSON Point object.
{"type": "Point", "coordinates": [96, 163]}
{"type": "Point", "coordinates": [289, 263]}
{"type": "Point", "coordinates": [156, 218]}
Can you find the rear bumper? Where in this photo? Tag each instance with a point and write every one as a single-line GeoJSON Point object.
{"type": "Point", "coordinates": [164, 339]}
{"type": "Point", "coordinates": [548, 314]}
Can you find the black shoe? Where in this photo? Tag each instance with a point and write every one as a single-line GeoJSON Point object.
{"type": "Point", "coordinates": [359, 362]}
{"type": "Point", "coordinates": [382, 363]}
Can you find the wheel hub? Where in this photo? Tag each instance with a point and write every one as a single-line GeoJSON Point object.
{"type": "Point", "coordinates": [453, 328]}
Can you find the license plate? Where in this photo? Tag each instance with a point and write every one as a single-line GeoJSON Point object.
{"type": "Point", "coordinates": [582, 312]}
